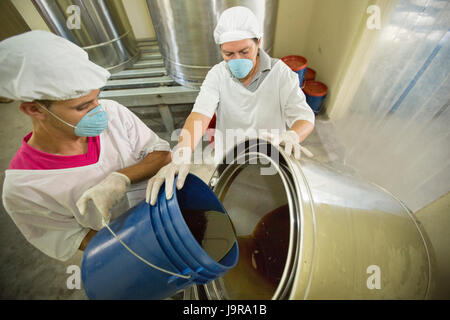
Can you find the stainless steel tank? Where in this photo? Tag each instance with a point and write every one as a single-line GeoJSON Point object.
{"type": "Point", "coordinates": [100, 27]}
{"type": "Point", "coordinates": [344, 234]}
{"type": "Point", "coordinates": [185, 29]}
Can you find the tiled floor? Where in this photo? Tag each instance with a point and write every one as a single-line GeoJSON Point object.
{"type": "Point", "coordinates": [26, 273]}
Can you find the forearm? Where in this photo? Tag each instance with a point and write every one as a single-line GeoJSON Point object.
{"type": "Point", "coordinates": [148, 167]}
{"type": "Point", "coordinates": [86, 239]}
{"type": "Point", "coordinates": [193, 130]}
{"type": "Point", "coordinates": [303, 128]}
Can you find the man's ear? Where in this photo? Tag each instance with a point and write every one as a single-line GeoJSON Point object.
{"type": "Point", "coordinates": [33, 110]}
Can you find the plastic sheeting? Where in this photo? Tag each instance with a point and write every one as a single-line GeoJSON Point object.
{"type": "Point", "coordinates": [397, 127]}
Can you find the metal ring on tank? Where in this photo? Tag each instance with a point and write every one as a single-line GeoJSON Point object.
{"type": "Point", "coordinates": [321, 194]}
{"type": "Point", "coordinates": [215, 289]}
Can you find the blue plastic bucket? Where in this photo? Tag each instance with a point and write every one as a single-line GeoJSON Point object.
{"type": "Point", "coordinates": [159, 235]}
{"type": "Point", "coordinates": [315, 93]}
{"type": "Point", "coordinates": [297, 64]}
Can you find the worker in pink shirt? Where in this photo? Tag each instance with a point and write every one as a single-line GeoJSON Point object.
{"type": "Point", "coordinates": [84, 160]}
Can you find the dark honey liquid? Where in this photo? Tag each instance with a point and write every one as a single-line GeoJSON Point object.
{"type": "Point", "coordinates": [269, 245]}
{"type": "Point", "coordinates": [262, 257]}
{"type": "Point", "coordinates": [196, 222]}
{"type": "Point", "coordinates": [213, 231]}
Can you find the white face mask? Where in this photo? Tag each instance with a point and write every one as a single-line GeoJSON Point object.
{"type": "Point", "coordinates": [240, 68]}
{"type": "Point", "coordinates": [91, 125]}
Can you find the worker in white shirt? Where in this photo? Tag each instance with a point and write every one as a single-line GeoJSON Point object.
{"type": "Point", "coordinates": [247, 91]}
{"type": "Point", "coordinates": [78, 167]}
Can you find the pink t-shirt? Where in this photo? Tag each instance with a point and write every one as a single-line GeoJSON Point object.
{"type": "Point", "coordinates": [29, 158]}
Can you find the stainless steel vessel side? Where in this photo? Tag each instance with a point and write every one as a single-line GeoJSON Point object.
{"type": "Point", "coordinates": [184, 30]}
{"type": "Point", "coordinates": [345, 233]}
{"type": "Point", "coordinates": [104, 30]}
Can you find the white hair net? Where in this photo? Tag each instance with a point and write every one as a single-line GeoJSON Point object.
{"type": "Point", "coordinates": [237, 23]}
{"type": "Point", "coordinates": [39, 65]}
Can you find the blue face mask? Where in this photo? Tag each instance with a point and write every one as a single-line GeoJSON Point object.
{"type": "Point", "coordinates": [91, 125]}
{"type": "Point", "coordinates": [240, 68]}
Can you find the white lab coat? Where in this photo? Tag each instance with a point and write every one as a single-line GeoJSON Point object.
{"type": "Point", "coordinates": [277, 102]}
{"type": "Point", "coordinates": [42, 203]}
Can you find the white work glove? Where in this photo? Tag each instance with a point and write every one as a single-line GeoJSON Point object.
{"type": "Point", "coordinates": [105, 195]}
{"type": "Point", "coordinates": [290, 141]}
{"type": "Point", "coordinates": [180, 164]}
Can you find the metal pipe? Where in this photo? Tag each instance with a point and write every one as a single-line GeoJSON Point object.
{"type": "Point", "coordinates": [184, 30]}
{"type": "Point", "coordinates": [104, 32]}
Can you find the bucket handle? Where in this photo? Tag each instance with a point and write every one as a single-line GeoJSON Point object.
{"type": "Point", "coordinates": [142, 259]}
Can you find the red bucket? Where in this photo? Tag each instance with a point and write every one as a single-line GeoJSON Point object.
{"type": "Point", "coordinates": [315, 93]}
{"type": "Point", "coordinates": [297, 64]}
{"type": "Point", "coordinates": [310, 74]}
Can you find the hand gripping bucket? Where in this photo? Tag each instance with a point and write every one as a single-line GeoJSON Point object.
{"type": "Point", "coordinates": [150, 253]}
{"type": "Point", "coordinates": [297, 64]}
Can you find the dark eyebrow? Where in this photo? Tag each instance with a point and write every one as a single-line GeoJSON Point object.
{"type": "Point", "coordinates": [226, 52]}
{"type": "Point", "coordinates": [82, 104]}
